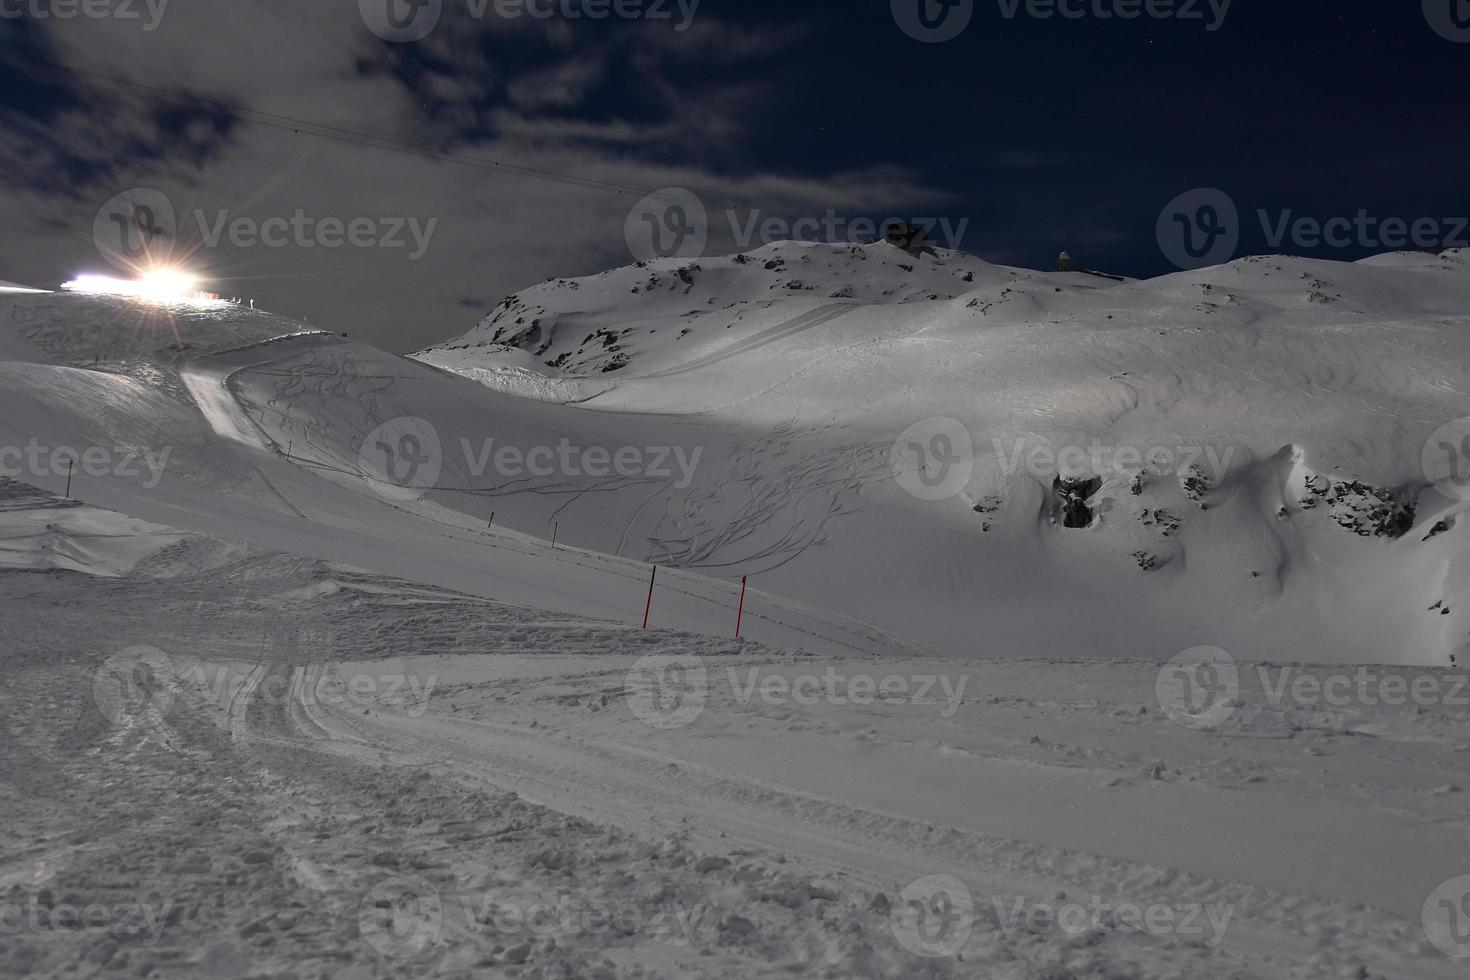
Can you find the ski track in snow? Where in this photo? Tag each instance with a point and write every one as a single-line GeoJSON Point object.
{"type": "Point", "coordinates": [270, 782]}
{"type": "Point", "coordinates": [256, 803]}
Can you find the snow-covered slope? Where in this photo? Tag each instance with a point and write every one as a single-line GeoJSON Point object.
{"type": "Point", "coordinates": [668, 311]}
{"type": "Point", "coordinates": [39, 531]}
{"type": "Point", "coordinates": [1248, 442]}
{"type": "Point", "coordinates": [275, 515]}
{"type": "Point", "coordinates": [1257, 433]}
{"type": "Point", "coordinates": [245, 762]}
{"type": "Point", "coordinates": [243, 425]}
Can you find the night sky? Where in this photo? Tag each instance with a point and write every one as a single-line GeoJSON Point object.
{"type": "Point", "coordinates": [543, 132]}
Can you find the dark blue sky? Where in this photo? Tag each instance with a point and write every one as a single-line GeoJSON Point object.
{"type": "Point", "coordinates": [1042, 133]}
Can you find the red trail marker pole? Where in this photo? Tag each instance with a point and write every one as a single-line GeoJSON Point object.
{"type": "Point", "coordinates": [740, 612]}
{"type": "Point", "coordinates": [70, 464]}
{"type": "Point", "coordinates": [492, 520]}
{"type": "Point", "coordinates": [554, 529]}
{"type": "Point", "coordinates": [648, 606]}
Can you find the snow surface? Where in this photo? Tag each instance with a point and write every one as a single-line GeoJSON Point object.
{"type": "Point", "coordinates": [1286, 370]}
{"type": "Point", "coordinates": [276, 716]}
{"type": "Point", "coordinates": [38, 531]}
{"type": "Point", "coordinates": [262, 807]}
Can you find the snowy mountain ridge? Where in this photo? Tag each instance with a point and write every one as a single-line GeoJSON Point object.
{"type": "Point", "coordinates": [602, 323]}
{"type": "Point", "coordinates": [429, 686]}
{"type": "Point", "coordinates": [1218, 432]}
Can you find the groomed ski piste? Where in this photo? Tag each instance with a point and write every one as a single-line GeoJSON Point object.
{"type": "Point", "coordinates": [332, 662]}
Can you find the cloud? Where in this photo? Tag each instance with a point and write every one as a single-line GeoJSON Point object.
{"type": "Point", "coordinates": [530, 95]}
{"type": "Point", "coordinates": [562, 85]}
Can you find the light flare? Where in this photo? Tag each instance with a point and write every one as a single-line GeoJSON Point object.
{"type": "Point", "coordinates": [160, 285]}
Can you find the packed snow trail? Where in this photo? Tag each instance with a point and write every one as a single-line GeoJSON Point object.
{"type": "Point", "coordinates": [580, 755]}
{"type": "Point", "coordinates": [208, 381]}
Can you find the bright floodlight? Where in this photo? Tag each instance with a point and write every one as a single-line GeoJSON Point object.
{"type": "Point", "coordinates": [161, 285]}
